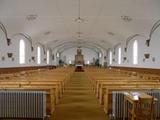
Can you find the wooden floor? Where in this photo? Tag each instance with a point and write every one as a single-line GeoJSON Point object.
{"type": "Point", "coordinates": [79, 101]}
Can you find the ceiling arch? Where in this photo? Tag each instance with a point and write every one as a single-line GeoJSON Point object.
{"type": "Point", "coordinates": [106, 22]}
{"type": "Point", "coordinates": [65, 47]}
{"type": "Point", "coordinates": [92, 45]}
{"type": "Point", "coordinates": [103, 44]}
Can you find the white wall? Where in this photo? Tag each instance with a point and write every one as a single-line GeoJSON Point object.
{"type": "Point", "coordinates": [70, 55]}
{"type": "Point", "coordinates": [153, 50]}
{"type": "Point", "coordinates": [5, 61]}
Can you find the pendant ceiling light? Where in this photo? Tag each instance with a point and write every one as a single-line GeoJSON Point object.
{"type": "Point", "coordinates": [79, 19]}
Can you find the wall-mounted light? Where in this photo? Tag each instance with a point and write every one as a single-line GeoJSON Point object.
{"type": "Point", "coordinates": [148, 42]}
{"type": "Point", "coordinates": [125, 49]}
{"type": "Point", "coordinates": [32, 48]}
{"type": "Point", "coordinates": [8, 41]}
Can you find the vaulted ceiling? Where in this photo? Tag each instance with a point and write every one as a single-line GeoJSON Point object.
{"type": "Point", "coordinates": [106, 22]}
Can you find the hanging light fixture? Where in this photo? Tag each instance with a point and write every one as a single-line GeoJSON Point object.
{"type": "Point", "coordinates": [79, 19]}
{"type": "Point", "coordinates": [79, 35]}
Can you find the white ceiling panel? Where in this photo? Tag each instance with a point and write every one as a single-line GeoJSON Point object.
{"type": "Point", "coordinates": [55, 19]}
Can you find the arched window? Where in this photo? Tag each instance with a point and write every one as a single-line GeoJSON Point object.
{"type": "Point", "coordinates": [100, 55]}
{"type": "Point", "coordinates": [48, 57]}
{"type": "Point", "coordinates": [38, 55]}
{"type": "Point", "coordinates": [119, 55]}
{"type": "Point", "coordinates": [88, 62]}
{"type": "Point", "coordinates": [110, 57]}
{"type": "Point", "coordinates": [70, 62]}
{"type": "Point", "coordinates": [21, 51]}
{"type": "Point", "coordinates": [57, 54]}
{"type": "Point", "coordinates": [135, 52]}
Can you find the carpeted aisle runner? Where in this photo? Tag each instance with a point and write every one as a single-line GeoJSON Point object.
{"type": "Point", "coordinates": [79, 101]}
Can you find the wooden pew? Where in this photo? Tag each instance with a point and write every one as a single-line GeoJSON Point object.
{"type": "Point", "coordinates": [105, 81]}
{"type": "Point", "coordinates": [51, 81]}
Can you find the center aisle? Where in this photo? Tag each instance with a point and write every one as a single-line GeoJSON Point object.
{"type": "Point", "coordinates": [79, 101]}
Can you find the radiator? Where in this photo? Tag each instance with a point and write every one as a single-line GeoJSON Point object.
{"type": "Point", "coordinates": [156, 94]}
{"type": "Point", "coordinates": [118, 104]}
{"type": "Point", "coordinates": [22, 104]}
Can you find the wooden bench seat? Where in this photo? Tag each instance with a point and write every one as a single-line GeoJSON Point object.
{"type": "Point", "coordinates": [105, 81]}
{"type": "Point", "coordinates": [103, 87]}
{"type": "Point", "coordinates": [51, 81]}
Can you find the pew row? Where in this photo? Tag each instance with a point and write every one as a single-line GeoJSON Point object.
{"type": "Point", "coordinates": [50, 81]}
{"type": "Point", "coordinates": [106, 81]}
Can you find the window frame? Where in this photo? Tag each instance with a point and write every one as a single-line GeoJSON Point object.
{"type": "Point", "coordinates": [22, 50]}
{"type": "Point", "coordinates": [57, 55]}
{"type": "Point", "coordinates": [110, 57]}
{"type": "Point", "coordinates": [48, 56]}
{"type": "Point", "coordinates": [38, 55]}
{"type": "Point", "coordinates": [119, 55]}
{"type": "Point", "coordinates": [135, 52]}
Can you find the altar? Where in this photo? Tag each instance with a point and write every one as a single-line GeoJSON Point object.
{"type": "Point", "coordinates": [79, 61]}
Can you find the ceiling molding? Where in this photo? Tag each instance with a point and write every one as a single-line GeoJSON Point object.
{"type": "Point", "coordinates": [63, 48]}
{"type": "Point", "coordinates": [75, 43]}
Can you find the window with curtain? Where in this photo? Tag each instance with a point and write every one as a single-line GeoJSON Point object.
{"type": "Point", "coordinates": [21, 51]}
{"type": "Point", "coordinates": [119, 55]}
{"type": "Point", "coordinates": [135, 52]}
{"type": "Point", "coordinates": [48, 57]}
{"type": "Point", "coordinates": [38, 55]}
{"type": "Point", "coordinates": [110, 57]}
